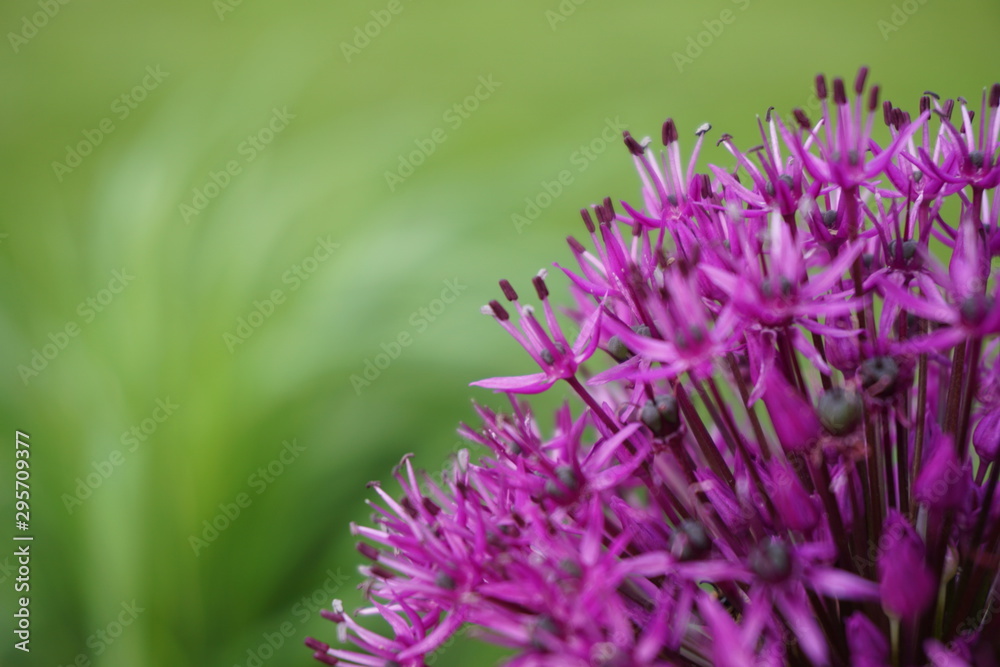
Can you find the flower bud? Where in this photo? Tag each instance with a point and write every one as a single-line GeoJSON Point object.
{"type": "Point", "coordinates": [866, 642]}
{"type": "Point", "coordinates": [771, 561]}
{"type": "Point", "coordinates": [879, 376]}
{"type": "Point", "coordinates": [986, 437]}
{"type": "Point", "coordinates": [690, 540]}
{"type": "Point", "coordinates": [661, 416]}
{"type": "Point", "coordinates": [906, 583]}
{"type": "Point", "coordinates": [794, 420]}
{"type": "Point", "coordinates": [943, 482]}
{"type": "Point", "coordinates": [839, 410]}
{"type": "Point", "coordinates": [795, 508]}
{"type": "Point", "coordinates": [842, 352]}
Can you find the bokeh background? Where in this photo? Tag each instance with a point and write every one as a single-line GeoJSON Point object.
{"type": "Point", "coordinates": [154, 413]}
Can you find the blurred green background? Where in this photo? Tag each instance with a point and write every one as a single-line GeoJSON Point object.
{"type": "Point", "coordinates": [201, 246]}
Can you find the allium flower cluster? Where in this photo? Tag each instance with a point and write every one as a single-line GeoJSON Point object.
{"type": "Point", "coordinates": [784, 450]}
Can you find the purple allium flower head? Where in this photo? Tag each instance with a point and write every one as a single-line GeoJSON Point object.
{"type": "Point", "coordinates": [782, 417]}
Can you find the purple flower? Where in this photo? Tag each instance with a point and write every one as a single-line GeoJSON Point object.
{"type": "Point", "coordinates": [968, 153]}
{"type": "Point", "coordinates": [559, 360]}
{"type": "Point", "coordinates": [944, 482]}
{"type": "Point", "coordinates": [796, 508]}
{"type": "Point", "coordinates": [906, 583]}
{"type": "Point", "coordinates": [779, 445]}
{"type": "Point", "coordinates": [987, 436]}
{"type": "Point", "coordinates": [795, 422]}
{"type": "Point", "coordinates": [869, 646]}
